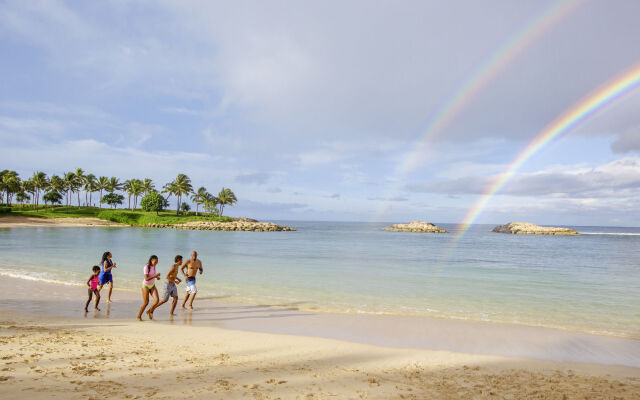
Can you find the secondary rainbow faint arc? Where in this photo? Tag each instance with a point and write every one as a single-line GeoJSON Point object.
{"type": "Point", "coordinates": [485, 74]}
{"type": "Point", "coordinates": [488, 70]}
{"type": "Point", "coordinates": [608, 93]}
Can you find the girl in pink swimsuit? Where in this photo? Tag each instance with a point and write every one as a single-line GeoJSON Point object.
{"type": "Point", "coordinates": [149, 286]}
{"type": "Point", "coordinates": [93, 283]}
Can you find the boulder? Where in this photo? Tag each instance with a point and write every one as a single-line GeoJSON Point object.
{"type": "Point", "coordinates": [240, 224]}
{"type": "Point", "coordinates": [417, 227]}
{"type": "Point", "coordinates": [525, 228]}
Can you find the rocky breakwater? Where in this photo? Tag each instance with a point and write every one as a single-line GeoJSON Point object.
{"type": "Point", "coordinates": [416, 226]}
{"type": "Point", "coordinates": [525, 228]}
{"type": "Point", "coordinates": [237, 225]}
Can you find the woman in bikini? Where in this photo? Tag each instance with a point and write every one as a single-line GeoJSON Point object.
{"type": "Point", "coordinates": [105, 273]}
{"type": "Point", "coordinates": [149, 286]}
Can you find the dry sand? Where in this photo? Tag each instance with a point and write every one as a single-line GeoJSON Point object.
{"type": "Point", "coordinates": [96, 359]}
{"type": "Point", "coordinates": [16, 221]}
{"type": "Point", "coordinates": [100, 357]}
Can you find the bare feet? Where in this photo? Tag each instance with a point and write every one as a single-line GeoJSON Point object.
{"type": "Point", "coordinates": [109, 301]}
{"type": "Point", "coordinates": [150, 314]}
{"type": "Point", "coordinates": [97, 309]}
{"type": "Point", "coordinates": [173, 314]}
{"type": "Point", "coordinates": [140, 319]}
{"type": "Point", "coordinates": [86, 310]}
{"type": "Point", "coordinates": [190, 307]}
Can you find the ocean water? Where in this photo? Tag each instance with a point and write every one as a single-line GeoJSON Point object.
{"type": "Point", "coordinates": [588, 283]}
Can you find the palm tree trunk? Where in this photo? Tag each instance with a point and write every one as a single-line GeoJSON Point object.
{"type": "Point", "coordinates": [100, 198]}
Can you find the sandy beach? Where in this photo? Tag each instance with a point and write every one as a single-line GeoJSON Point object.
{"type": "Point", "coordinates": [51, 349]}
{"type": "Point", "coordinates": [18, 221]}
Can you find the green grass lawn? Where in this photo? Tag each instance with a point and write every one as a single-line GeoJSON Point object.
{"type": "Point", "coordinates": [129, 217]}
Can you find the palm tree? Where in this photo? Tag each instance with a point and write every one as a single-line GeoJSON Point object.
{"type": "Point", "coordinates": [56, 185]}
{"type": "Point", "coordinates": [200, 197]}
{"type": "Point", "coordinates": [148, 186]}
{"type": "Point", "coordinates": [9, 183]}
{"type": "Point", "coordinates": [26, 187]}
{"type": "Point", "coordinates": [226, 198]}
{"type": "Point", "coordinates": [81, 180]}
{"type": "Point", "coordinates": [71, 185]}
{"type": "Point", "coordinates": [102, 183]}
{"type": "Point", "coordinates": [137, 190]}
{"type": "Point", "coordinates": [127, 186]}
{"type": "Point", "coordinates": [113, 185]}
{"type": "Point", "coordinates": [210, 203]}
{"type": "Point", "coordinates": [90, 186]}
{"type": "Point", "coordinates": [40, 183]}
{"type": "Point", "coordinates": [180, 186]}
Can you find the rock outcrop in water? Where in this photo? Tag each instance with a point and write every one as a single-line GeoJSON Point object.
{"type": "Point", "coordinates": [416, 226]}
{"type": "Point", "coordinates": [525, 228]}
{"type": "Point", "coordinates": [241, 224]}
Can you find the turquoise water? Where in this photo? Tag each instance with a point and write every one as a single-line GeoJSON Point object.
{"type": "Point", "coordinates": [588, 283]}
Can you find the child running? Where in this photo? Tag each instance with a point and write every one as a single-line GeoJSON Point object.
{"type": "Point", "coordinates": [170, 289]}
{"type": "Point", "coordinates": [93, 283]}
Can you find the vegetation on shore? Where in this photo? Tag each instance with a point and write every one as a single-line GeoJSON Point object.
{"type": "Point", "coordinates": [130, 217]}
{"type": "Point", "coordinates": [55, 189]}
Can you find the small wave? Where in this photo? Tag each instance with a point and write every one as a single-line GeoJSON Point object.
{"type": "Point", "coordinates": [612, 233]}
{"type": "Point", "coordinates": [28, 277]}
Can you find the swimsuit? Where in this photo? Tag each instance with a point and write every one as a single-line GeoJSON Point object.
{"type": "Point", "coordinates": [191, 285]}
{"type": "Point", "coordinates": [105, 276]}
{"type": "Point", "coordinates": [94, 281]}
{"type": "Point", "coordinates": [170, 290]}
{"type": "Point", "coordinates": [149, 270]}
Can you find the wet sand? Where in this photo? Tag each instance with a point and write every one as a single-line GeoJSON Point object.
{"type": "Point", "coordinates": [17, 221]}
{"type": "Point", "coordinates": [51, 349]}
{"type": "Point", "coordinates": [47, 299]}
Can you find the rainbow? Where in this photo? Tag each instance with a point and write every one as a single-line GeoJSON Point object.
{"type": "Point", "coordinates": [582, 110]}
{"type": "Point", "coordinates": [489, 69]}
{"type": "Point", "coordinates": [469, 89]}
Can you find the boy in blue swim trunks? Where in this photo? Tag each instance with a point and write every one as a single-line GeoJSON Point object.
{"type": "Point", "coordinates": [170, 289]}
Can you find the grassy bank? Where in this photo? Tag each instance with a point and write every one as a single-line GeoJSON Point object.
{"type": "Point", "coordinates": [129, 217]}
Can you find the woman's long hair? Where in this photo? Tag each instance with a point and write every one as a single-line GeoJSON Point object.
{"type": "Point", "coordinates": [105, 255]}
{"type": "Point", "coordinates": [153, 257]}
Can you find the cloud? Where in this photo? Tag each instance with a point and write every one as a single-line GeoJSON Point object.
{"type": "Point", "coordinates": [335, 196]}
{"type": "Point", "coordinates": [627, 142]}
{"type": "Point", "coordinates": [394, 198]}
{"type": "Point", "coordinates": [274, 190]}
{"type": "Point", "coordinates": [257, 178]}
{"type": "Point", "coordinates": [619, 178]}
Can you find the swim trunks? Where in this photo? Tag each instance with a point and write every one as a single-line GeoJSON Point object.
{"type": "Point", "coordinates": [170, 290]}
{"type": "Point", "coordinates": [191, 285]}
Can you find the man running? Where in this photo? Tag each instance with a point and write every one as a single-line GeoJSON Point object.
{"type": "Point", "coordinates": [193, 265]}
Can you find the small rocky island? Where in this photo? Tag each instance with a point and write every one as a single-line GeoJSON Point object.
{"type": "Point", "coordinates": [239, 224]}
{"type": "Point", "coordinates": [525, 228]}
{"type": "Point", "coordinates": [416, 226]}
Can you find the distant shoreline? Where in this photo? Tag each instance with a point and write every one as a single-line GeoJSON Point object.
{"type": "Point", "coordinates": [14, 221]}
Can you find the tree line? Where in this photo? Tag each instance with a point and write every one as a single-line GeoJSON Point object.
{"type": "Point", "coordinates": [54, 189]}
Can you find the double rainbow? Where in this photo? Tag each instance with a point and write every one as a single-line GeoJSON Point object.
{"type": "Point", "coordinates": [487, 71]}
{"type": "Point", "coordinates": [582, 110]}
{"type": "Point", "coordinates": [496, 62]}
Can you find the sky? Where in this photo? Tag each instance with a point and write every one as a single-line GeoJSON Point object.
{"type": "Point", "coordinates": [310, 110]}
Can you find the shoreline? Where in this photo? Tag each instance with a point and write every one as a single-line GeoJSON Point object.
{"type": "Point", "coordinates": [13, 221]}
{"type": "Point", "coordinates": [434, 334]}
{"type": "Point", "coordinates": [358, 313]}
{"type": "Point", "coordinates": [238, 225]}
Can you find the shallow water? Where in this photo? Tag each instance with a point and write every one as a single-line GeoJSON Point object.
{"type": "Point", "coordinates": [588, 283]}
